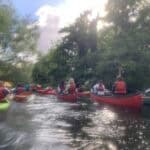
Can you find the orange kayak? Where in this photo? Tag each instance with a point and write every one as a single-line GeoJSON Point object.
{"type": "Point", "coordinates": [22, 97]}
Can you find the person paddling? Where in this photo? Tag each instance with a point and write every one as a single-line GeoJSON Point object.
{"type": "Point", "coordinates": [71, 86]}
{"type": "Point", "coordinates": [119, 86]}
{"type": "Point", "coordinates": [61, 88]}
{"type": "Point", "coordinates": [101, 88]}
{"type": "Point", "coordinates": [3, 92]}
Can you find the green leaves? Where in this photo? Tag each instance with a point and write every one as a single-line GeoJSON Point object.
{"type": "Point", "coordinates": [89, 55]}
{"type": "Point", "coordinates": [18, 40]}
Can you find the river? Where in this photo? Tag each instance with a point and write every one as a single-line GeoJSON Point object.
{"type": "Point", "coordinates": [44, 123]}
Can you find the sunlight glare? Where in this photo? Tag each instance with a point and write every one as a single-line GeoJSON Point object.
{"type": "Point", "coordinates": [73, 8]}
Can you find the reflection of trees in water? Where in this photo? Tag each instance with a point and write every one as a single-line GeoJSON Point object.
{"type": "Point", "coordinates": [78, 119]}
{"type": "Point", "coordinates": [136, 135]}
{"type": "Point", "coordinates": [93, 130]}
{"type": "Point", "coordinates": [129, 131]}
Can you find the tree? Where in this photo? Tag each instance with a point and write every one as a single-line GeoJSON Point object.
{"type": "Point", "coordinates": [18, 40]}
{"type": "Point", "coordinates": [128, 47]}
{"type": "Point", "coordinates": [81, 44]}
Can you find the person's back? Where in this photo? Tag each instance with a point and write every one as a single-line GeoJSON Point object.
{"type": "Point", "coordinates": [120, 87]}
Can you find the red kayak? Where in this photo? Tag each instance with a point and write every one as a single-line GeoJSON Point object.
{"type": "Point", "coordinates": [47, 92]}
{"type": "Point", "coordinates": [67, 97]}
{"type": "Point", "coordinates": [134, 100]}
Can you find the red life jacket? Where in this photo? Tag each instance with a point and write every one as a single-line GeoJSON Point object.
{"type": "Point", "coordinates": [120, 87]}
{"type": "Point", "coordinates": [2, 95]}
{"type": "Point", "coordinates": [72, 88]}
{"type": "Point", "coordinates": [20, 90]}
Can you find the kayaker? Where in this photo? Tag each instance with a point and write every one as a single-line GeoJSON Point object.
{"type": "Point", "coordinates": [119, 86]}
{"type": "Point", "coordinates": [101, 88]}
{"type": "Point", "coordinates": [33, 87]}
{"type": "Point", "coordinates": [79, 87]}
{"type": "Point", "coordinates": [94, 88]}
{"type": "Point", "coordinates": [3, 92]}
{"type": "Point", "coordinates": [72, 86]}
{"type": "Point", "coordinates": [62, 87]}
{"type": "Point", "coordinates": [27, 87]}
{"type": "Point", "coordinates": [19, 89]}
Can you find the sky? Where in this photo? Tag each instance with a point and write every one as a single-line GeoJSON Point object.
{"type": "Point", "coordinates": [52, 15]}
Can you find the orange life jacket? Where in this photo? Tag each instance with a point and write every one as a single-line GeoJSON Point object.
{"type": "Point", "coordinates": [120, 87]}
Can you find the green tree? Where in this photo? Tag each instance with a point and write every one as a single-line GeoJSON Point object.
{"type": "Point", "coordinates": [18, 40]}
{"type": "Point", "coordinates": [81, 44]}
{"type": "Point", "coordinates": [128, 46]}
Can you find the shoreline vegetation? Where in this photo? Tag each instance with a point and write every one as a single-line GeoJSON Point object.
{"type": "Point", "coordinates": [85, 53]}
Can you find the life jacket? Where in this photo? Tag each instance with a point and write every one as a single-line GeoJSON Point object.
{"type": "Point", "coordinates": [120, 87]}
{"type": "Point", "coordinates": [72, 88]}
{"type": "Point", "coordinates": [101, 87]}
{"type": "Point", "coordinates": [20, 90]}
{"type": "Point", "coordinates": [3, 93]}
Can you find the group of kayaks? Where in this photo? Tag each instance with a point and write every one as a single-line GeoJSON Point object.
{"type": "Point", "coordinates": [134, 100]}
{"type": "Point", "coordinates": [131, 100]}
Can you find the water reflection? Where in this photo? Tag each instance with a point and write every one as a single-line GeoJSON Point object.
{"type": "Point", "coordinates": [44, 123]}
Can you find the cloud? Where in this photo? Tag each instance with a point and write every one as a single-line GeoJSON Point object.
{"type": "Point", "coordinates": [52, 18]}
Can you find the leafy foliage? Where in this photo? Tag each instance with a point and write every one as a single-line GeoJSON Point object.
{"type": "Point", "coordinates": [89, 55]}
{"type": "Point", "coordinates": [18, 39]}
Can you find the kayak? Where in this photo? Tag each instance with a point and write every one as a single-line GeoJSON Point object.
{"type": "Point", "coordinates": [4, 105]}
{"type": "Point", "coordinates": [67, 97]}
{"type": "Point", "coordinates": [47, 92]}
{"type": "Point", "coordinates": [84, 94]}
{"type": "Point", "coordinates": [22, 97]}
{"type": "Point", "coordinates": [26, 93]}
{"type": "Point", "coordinates": [132, 100]}
{"type": "Point", "coordinates": [50, 92]}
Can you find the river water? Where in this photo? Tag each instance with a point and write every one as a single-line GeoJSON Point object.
{"type": "Point", "coordinates": [44, 123]}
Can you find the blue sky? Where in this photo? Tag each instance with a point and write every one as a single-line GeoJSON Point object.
{"type": "Point", "coordinates": [25, 7]}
